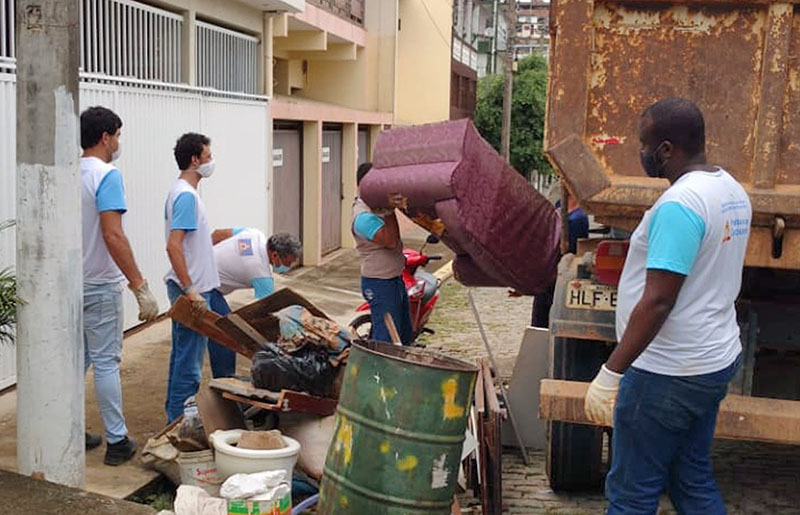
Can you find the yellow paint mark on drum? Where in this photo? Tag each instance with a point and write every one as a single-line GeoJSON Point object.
{"type": "Point", "coordinates": [450, 409]}
{"type": "Point", "coordinates": [353, 369]}
{"type": "Point", "coordinates": [407, 463]}
{"type": "Point", "coordinates": [344, 440]}
{"type": "Point", "coordinates": [385, 447]}
{"type": "Point", "coordinates": [343, 501]}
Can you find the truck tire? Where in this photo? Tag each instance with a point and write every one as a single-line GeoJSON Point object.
{"type": "Point", "coordinates": [575, 451]}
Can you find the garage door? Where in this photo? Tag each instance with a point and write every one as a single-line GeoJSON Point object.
{"type": "Point", "coordinates": [287, 171]}
{"type": "Point", "coordinates": [331, 188]}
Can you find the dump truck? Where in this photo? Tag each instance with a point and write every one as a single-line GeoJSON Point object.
{"type": "Point", "coordinates": [740, 63]}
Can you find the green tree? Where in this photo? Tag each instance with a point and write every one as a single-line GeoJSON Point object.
{"type": "Point", "coordinates": [527, 114]}
{"type": "Point", "coordinates": [8, 298]}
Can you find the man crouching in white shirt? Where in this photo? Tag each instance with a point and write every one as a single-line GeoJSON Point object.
{"type": "Point", "coordinates": [246, 258]}
{"type": "Point", "coordinates": [676, 324]}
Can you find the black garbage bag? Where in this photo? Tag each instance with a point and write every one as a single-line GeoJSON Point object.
{"type": "Point", "coordinates": [306, 370]}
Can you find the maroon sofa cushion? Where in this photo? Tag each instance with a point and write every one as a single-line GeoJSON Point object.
{"type": "Point", "coordinates": [503, 232]}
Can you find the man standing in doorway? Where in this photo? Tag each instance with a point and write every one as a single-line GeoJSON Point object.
{"type": "Point", "coordinates": [676, 323]}
{"type": "Point", "coordinates": [107, 261]}
{"type": "Point", "coordinates": [377, 236]}
{"type": "Point", "coordinates": [193, 273]}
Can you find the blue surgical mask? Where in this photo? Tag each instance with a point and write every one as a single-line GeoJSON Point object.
{"type": "Point", "coordinates": [281, 269]}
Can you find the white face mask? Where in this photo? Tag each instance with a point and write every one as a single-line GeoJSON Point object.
{"type": "Point", "coordinates": [206, 169]}
{"type": "Point", "coordinates": [116, 154]}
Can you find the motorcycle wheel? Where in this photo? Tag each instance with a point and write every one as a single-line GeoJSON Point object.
{"type": "Point", "coordinates": [362, 327]}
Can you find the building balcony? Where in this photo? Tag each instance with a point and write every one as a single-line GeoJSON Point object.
{"type": "Point", "coordinates": [350, 10]}
{"type": "Point", "coordinates": [464, 53]}
{"type": "Point", "coordinates": [278, 6]}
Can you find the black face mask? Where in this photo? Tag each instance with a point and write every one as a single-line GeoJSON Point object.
{"type": "Point", "coordinates": [653, 167]}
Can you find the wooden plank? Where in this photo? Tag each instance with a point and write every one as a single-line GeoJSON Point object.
{"type": "Point", "coordinates": [291, 401]}
{"type": "Point", "coordinates": [259, 315]}
{"type": "Point", "coordinates": [216, 412]}
{"type": "Point", "coordinates": [243, 388]}
{"type": "Point", "coordinates": [480, 395]}
{"type": "Point", "coordinates": [491, 393]}
{"type": "Point", "coordinates": [248, 329]}
{"type": "Point", "coordinates": [251, 402]}
{"type": "Point", "coordinates": [205, 324]}
{"type": "Point", "coordinates": [305, 403]}
{"type": "Point", "coordinates": [740, 418]}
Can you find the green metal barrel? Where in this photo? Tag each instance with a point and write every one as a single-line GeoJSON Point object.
{"type": "Point", "coordinates": [400, 428]}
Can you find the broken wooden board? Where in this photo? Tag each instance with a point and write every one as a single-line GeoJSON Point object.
{"type": "Point", "coordinates": [740, 418]}
{"type": "Point", "coordinates": [243, 388]}
{"type": "Point", "coordinates": [291, 401]}
{"type": "Point", "coordinates": [204, 322]}
{"type": "Point", "coordinates": [259, 318]}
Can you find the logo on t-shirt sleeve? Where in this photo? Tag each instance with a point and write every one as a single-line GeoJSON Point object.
{"type": "Point", "coordinates": [245, 247]}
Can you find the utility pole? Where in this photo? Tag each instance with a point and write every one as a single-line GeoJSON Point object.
{"type": "Point", "coordinates": [50, 384]}
{"type": "Point", "coordinates": [511, 28]}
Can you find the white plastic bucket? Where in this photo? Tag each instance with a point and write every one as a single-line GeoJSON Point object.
{"type": "Point", "coordinates": [232, 460]}
{"type": "Point", "coordinates": [200, 469]}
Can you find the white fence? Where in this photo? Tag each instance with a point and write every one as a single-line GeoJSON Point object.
{"type": "Point", "coordinates": [153, 119]}
{"type": "Point", "coordinates": [130, 39]}
{"type": "Point", "coordinates": [226, 59]}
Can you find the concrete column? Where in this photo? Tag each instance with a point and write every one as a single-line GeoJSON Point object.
{"type": "Point", "coordinates": [189, 48]}
{"type": "Point", "coordinates": [349, 165]}
{"type": "Point", "coordinates": [470, 27]}
{"type": "Point", "coordinates": [50, 391]}
{"type": "Point", "coordinates": [374, 132]}
{"type": "Point", "coordinates": [312, 193]}
{"type": "Point", "coordinates": [267, 54]}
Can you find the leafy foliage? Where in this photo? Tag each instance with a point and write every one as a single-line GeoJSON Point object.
{"type": "Point", "coordinates": [8, 305]}
{"type": "Point", "coordinates": [529, 99]}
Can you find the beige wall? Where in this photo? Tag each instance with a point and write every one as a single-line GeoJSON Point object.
{"type": "Point", "coordinates": [423, 61]}
{"type": "Point", "coordinates": [229, 13]}
{"type": "Point", "coordinates": [368, 82]}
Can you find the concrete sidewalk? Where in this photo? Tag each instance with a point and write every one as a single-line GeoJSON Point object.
{"type": "Point", "coordinates": [334, 287]}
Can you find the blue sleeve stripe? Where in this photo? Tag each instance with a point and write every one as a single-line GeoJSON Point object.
{"type": "Point", "coordinates": [237, 230]}
{"type": "Point", "coordinates": [184, 213]}
{"type": "Point", "coordinates": [367, 225]}
{"type": "Point", "coordinates": [110, 194]}
{"type": "Point", "coordinates": [674, 238]}
{"type": "Point", "coordinates": [263, 286]}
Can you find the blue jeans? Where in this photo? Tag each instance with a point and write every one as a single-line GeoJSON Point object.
{"type": "Point", "coordinates": [188, 349]}
{"type": "Point", "coordinates": [388, 296]}
{"type": "Point", "coordinates": [102, 342]}
{"type": "Point", "coordinates": [663, 431]}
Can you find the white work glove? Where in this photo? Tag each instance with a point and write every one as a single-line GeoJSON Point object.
{"type": "Point", "coordinates": [197, 300]}
{"type": "Point", "coordinates": [148, 306]}
{"type": "Point", "coordinates": [602, 396]}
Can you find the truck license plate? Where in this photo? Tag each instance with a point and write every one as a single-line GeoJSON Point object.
{"type": "Point", "coordinates": [588, 295]}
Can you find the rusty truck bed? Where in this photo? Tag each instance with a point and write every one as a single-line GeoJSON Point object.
{"type": "Point", "coordinates": [738, 60]}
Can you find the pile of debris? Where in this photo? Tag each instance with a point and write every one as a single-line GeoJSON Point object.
{"type": "Point", "coordinates": [240, 438]}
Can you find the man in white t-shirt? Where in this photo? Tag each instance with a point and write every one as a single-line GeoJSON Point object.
{"type": "Point", "coordinates": [246, 259]}
{"type": "Point", "coordinates": [676, 323]}
{"type": "Point", "coordinates": [193, 273]}
{"type": "Point", "coordinates": [107, 262]}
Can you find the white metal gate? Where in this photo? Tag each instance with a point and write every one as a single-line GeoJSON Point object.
{"type": "Point", "coordinates": [153, 119]}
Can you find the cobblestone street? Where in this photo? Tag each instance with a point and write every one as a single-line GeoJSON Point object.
{"type": "Point", "coordinates": [755, 478]}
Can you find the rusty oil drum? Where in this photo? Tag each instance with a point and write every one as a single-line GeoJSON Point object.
{"type": "Point", "coordinates": [400, 428]}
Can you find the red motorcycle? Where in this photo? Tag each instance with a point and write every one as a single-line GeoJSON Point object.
{"type": "Point", "coordinates": [423, 292]}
